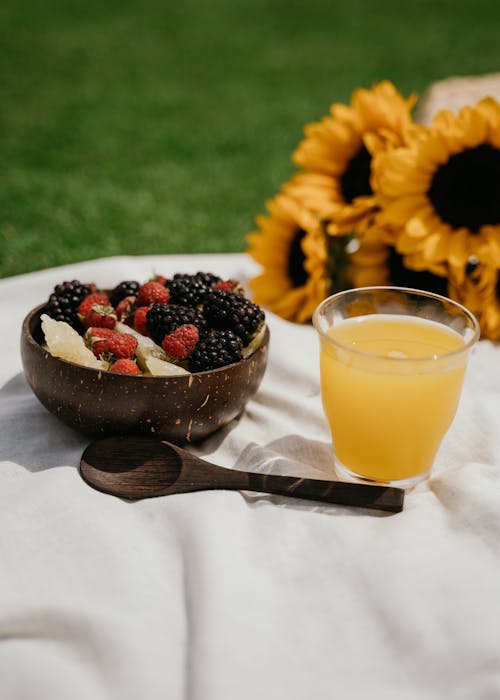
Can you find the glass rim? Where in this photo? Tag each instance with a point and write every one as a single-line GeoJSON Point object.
{"type": "Point", "coordinates": [404, 290]}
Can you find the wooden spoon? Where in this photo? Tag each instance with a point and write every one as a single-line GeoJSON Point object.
{"type": "Point", "coordinates": [143, 467]}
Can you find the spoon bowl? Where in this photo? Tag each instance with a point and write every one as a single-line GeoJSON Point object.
{"type": "Point", "coordinates": [136, 467]}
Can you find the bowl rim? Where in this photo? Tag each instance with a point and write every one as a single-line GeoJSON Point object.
{"type": "Point", "coordinates": [37, 311]}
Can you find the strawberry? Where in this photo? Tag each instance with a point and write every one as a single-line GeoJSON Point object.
{"type": "Point", "coordinates": [180, 343]}
{"type": "Point", "coordinates": [95, 298]}
{"type": "Point", "coordinates": [101, 316]}
{"type": "Point", "coordinates": [140, 320]}
{"type": "Point", "coordinates": [125, 366]}
{"type": "Point", "coordinates": [125, 308]}
{"type": "Point", "coordinates": [152, 293]}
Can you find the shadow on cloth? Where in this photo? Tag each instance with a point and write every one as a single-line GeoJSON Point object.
{"type": "Point", "coordinates": [295, 455]}
{"type": "Point", "coordinates": [36, 440]}
{"type": "Point", "coordinates": [31, 436]}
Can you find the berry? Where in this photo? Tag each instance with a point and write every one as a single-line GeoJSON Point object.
{"type": "Point", "coordinates": [207, 278]}
{"type": "Point", "coordinates": [96, 339]}
{"type": "Point", "coordinates": [125, 366]}
{"type": "Point", "coordinates": [96, 298]}
{"type": "Point", "coordinates": [125, 309]}
{"type": "Point", "coordinates": [140, 320]}
{"type": "Point", "coordinates": [225, 310]}
{"type": "Point", "coordinates": [162, 319]}
{"type": "Point", "coordinates": [122, 345]}
{"type": "Point", "coordinates": [188, 290]}
{"type": "Point", "coordinates": [128, 288]}
{"type": "Point", "coordinates": [101, 316]}
{"type": "Point", "coordinates": [218, 349]}
{"type": "Point", "coordinates": [159, 278]}
{"type": "Point", "coordinates": [98, 333]}
{"type": "Point", "coordinates": [180, 343]}
{"type": "Point", "coordinates": [105, 342]}
{"type": "Point", "coordinates": [63, 303]}
{"type": "Point", "coordinates": [226, 285]}
{"type": "Point", "coordinates": [152, 293]}
{"type": "Point", "coordinates": [230, 286]}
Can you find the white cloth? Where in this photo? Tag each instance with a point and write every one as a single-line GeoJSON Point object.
{"type": "Point", "coordinates": [226, 595]}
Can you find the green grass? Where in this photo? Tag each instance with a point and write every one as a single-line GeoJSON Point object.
{"type": "Point", "coordinates": [132, 127]}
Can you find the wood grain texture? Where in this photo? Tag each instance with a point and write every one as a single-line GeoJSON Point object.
{"type": "Point", "coordinates": [139, 467]}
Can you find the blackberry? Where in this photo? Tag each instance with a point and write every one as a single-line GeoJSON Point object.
{"type": "Point", "coordinates": [129, 288]}
{"type": "Point", "coordinates": [188, 290]}
{"type": "Point", "coordinates": [207, 278]}
{"type": "Point", "coordinates": [162, 319]}
{"type": "Point", "coordinates": [217, 349]}
{"type": "Point", "coordinates": [63, 303]}
{"type": "Point", "coordinates": [226, 310]}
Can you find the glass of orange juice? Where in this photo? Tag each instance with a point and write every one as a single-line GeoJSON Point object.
{"type": "Point", "coordinates": [392, 364]}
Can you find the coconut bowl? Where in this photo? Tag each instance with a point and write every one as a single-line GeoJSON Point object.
{"type": "Point", "coordinates": [181, 409]}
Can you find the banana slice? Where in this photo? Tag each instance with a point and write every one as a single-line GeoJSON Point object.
{"type": "Point", "coordinates": [63, 341]}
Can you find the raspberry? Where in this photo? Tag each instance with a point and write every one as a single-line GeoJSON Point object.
{"type": "Point", "coordinates": [122, 345]}
{"type": "Point", "coordinates": [218, 349]}
{"type": "Point", "coordinates": [229, 311]}
{"type": "Point", "coordinates": [125, 308]}
{"type": "Point", "coordinates": [140, 324]}
{"type": "Point", "coordinates": [230, 286]}
{"type": "Point", "coordinates": [226, 285]}
{"type": "Point", "coordinates": [105, 341]}
{"type": "Point", "coordinates": [129, 288]}
{"type": "Point", "coordinates": [101, 316]}
{"type": "Point", "coordinates": [162, 319]}
{"type": "Point", "coordinates": [159, 278]}
{"type": "Point", "coordinates": [180, 343]}
{"type": "Point", "coordinates": [96, 298]}
{"type": "Point", "coordinates": [98, 333]}
{"type": "Point", "coordinates": [152, 293]}
{"type": "Point", "coordinates": [125, 366]}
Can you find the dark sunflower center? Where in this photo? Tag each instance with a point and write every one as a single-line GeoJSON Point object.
{"type": "Point", "coordinates": [465, 191]}
{"type": "Point", "coordinates": [400, 276]}
{"type": "Point", "coordinates": [355, 181]}
{"type": "Point", "coordinates": [296, 270]}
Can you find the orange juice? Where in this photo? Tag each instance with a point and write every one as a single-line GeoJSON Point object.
{"type": "Point", "coordinates": [390, 386]}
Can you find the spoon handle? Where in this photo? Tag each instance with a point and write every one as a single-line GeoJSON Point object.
{"type": "Point", "coordinates": [346, 493]}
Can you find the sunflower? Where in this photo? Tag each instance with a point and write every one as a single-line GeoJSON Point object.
{"type": "Point", "coordinates": [336, 153]}
{"type": "Point", "coordinates": [290, 245]}
{"type": "Point", "coordinates": [378, 265]}
{"type": "Point", "coordinates": [351, 261]}
{"type": "Point", "coordinates": [477, 286]}
{"type": "Point", "coordinates": [440, 191]}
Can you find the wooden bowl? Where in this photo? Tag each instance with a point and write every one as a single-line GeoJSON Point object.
{"type": "Point", "coordinates": [182, 409]}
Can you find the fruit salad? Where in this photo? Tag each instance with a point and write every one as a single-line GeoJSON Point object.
{"type": "Point", "coordinates": [164, 326]}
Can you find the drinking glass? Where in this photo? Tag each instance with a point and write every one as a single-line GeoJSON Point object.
{"type": "Point", "coordinates": [392, 364]}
